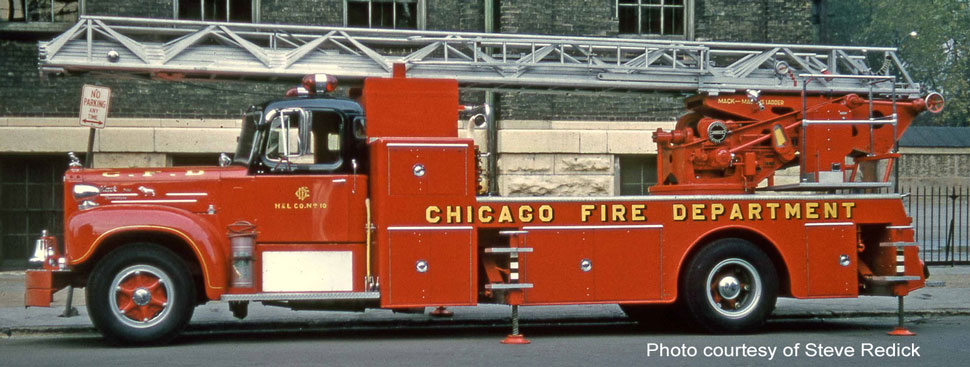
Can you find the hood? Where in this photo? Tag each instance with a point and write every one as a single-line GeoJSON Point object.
{"type": "Point", "coordinates": [190, 188]}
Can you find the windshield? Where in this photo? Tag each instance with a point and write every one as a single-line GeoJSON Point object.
{"type": "Point", "coordinates": [244, 147]}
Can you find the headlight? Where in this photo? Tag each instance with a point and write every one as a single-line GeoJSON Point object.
{"type": "Point", "coordinates": [82, 192]}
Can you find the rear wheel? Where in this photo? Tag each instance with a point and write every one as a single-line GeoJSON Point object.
{"type": "Point", "coordinates": [730, 286]}
{"type": "Point", "coordinates": [140, 293]}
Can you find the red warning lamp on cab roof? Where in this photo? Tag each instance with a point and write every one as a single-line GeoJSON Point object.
{"type": "Point", "coordinates": [319, 83]}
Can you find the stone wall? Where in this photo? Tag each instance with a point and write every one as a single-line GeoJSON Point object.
{"type": "Point", "coordinates": [456, 15]}
{"type": "Point", "coordinates": [23, 93]}
{"type": "Point", "coordinates": [131, 8]}
{"type": "Point", "coordinates": [320, 12]}
{"type": "Point", "coordinates": [569, 17]}
{"type": "Point", "coordinates": [568, 158]}
{"type": "Point", "coordinates": [934, 166]}
{"type": "Point", "coordinates": [773, 21]}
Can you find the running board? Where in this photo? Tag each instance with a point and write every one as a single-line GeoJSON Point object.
{"type": "Point", "coordinates": [893, 278]}
{"type": "Point", "coordinates": [302, 296]}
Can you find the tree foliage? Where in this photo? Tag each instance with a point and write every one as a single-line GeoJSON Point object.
{"type": "Point", "coordinates": [936, 55]}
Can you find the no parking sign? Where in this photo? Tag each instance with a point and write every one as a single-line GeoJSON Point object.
{"type": "Point", "coordinates": [94, 106]}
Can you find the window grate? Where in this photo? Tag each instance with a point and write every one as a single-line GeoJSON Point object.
{"type": "Point", "coordinates": [653, 17]}
{"type": "Point", "coordinates": [31, 190]}
{"type": "Point", "coordinates": [637, 174]}
{"type": "Point", "coordinates": [394, 14]}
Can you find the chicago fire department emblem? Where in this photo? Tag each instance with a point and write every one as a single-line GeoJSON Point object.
{"type": "Point", "coordinates": [302, 193]}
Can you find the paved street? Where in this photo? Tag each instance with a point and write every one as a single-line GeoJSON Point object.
{"type": "Point", "coordinates": [587, 335]}
{"type": "Point", "coordinates": [941, 342]}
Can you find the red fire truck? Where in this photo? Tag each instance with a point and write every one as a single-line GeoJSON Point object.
{"type": "Point", "coordinates": [373, 202]}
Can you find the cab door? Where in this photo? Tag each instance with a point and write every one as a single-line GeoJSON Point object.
{"type": "Point", "coordinates": [311, 208]}
{"type": "Point", "coordinates": [306, 194]}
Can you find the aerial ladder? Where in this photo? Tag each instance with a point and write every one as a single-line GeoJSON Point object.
{"type": "Point", "coordinates": [757, 108]}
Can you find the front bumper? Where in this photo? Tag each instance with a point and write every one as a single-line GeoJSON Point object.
{"type": "Point", "coordinates": [41, 284]}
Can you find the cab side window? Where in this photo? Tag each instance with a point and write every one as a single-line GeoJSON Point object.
{"type": "Point", "coordinates": [305, 140]}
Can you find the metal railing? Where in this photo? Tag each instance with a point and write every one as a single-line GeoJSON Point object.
{"type": "Point", "coordinates": [192, 49]}
{"type": "Point", "coordinates": [941, 217]}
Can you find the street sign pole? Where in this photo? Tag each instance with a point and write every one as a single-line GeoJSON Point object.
{"type": "Point", "coordinates": [89, 157]}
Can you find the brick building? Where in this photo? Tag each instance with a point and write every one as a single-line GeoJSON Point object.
{"type": "Point", "coordinates": [583, 144]}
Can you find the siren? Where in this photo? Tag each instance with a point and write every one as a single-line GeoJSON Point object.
{"type": "Point", "coordinates": [319, 83]}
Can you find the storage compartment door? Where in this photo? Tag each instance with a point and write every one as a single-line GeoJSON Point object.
{"type": "Point", "coordinates": [555, 266]}
{"type": "Point", "coordinates": [627, 263]}
{"type": "Point", "coordinates": [430, 266]}
{"type": "Point", "coordinates": [826, 245]}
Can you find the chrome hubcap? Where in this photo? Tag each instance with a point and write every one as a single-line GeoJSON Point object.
{"type": "Point", "coordinates": [729, 287]}
{"type": "Point", "coordinates": [734, 288]}
{"type": "Point", "coordinates": [141, 296]}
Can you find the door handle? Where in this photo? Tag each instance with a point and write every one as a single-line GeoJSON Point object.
{"type": "Point", "coordinates": [340, 180]}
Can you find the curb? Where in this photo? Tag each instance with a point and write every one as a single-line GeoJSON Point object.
{"type": "Point", "coordinates": [862, 314]}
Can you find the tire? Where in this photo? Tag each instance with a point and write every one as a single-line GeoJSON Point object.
{"type": "Point", "coordinates": [730, 286]}
{"type": "Point", "coordinates": [140, 294]}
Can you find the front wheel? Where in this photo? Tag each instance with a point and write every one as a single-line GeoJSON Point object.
{"type": "Point", "coordinates": [140, 293]}
{"type": "Point", "coordinates": [730, 286]}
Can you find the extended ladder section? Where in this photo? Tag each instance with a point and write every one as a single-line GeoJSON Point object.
{"type": "Point", "coordinates": [189, 49]}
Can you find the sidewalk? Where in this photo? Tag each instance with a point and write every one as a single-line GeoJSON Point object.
{"type": "Point", "coordinates": [948, 293]}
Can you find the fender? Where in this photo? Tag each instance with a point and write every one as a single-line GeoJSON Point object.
{"type": "Point", "coordinates": [87, 231]}
{"type": "Point", "coordinates": [795, 279]}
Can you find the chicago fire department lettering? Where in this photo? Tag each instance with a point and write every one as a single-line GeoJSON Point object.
{"type": "Point", "coordinates": [485, 214]}
{"type": "Point", "coordinates": [761, 211]}
{"type": "Point", "coordinates": [637, 213]}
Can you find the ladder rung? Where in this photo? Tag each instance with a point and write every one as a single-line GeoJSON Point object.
{"type": "Point", "coordinates": [508, 286]}
{"type": "Point", "coordinates": [896, 244]}
{"type": "Point", "coordinates": [848, 122]}
{"type": "Point", "coordinates": [507, 250]}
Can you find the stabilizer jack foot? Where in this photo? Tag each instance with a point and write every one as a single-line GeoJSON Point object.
{"type": "Point", "coordinates": [69, 309]}
{"type": "Point", "coordinates": [515, 337]}
{"type": "Point", "coordinates": [441, 311]}
{"type": "Point", "coordinates": [901, 330]}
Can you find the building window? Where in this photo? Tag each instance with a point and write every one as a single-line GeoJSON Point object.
{"type": "Point", "coordinates": [46, 11]}
{"type": "Point", "coordinates": [31, 190]}
{"type": "Point", "coordinates": [394, 14]}
{"type": "Point", "coordinates": [239, 11]}
{"type": "Point", "coordinates": [193, 159]}
{"type": "Point", "coordinates": [654, 17]}
{"type": "Point", "coordinates": [637, 174]}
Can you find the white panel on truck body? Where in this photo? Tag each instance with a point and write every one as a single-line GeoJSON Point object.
{"type": "Point", "coordinates": [307, 271]}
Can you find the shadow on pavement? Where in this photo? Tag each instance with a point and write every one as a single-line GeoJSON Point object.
{"type": "Point", "coordinates": [198, 336]}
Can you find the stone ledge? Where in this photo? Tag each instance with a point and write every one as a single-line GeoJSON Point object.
{"type": "Point", "coordinates": [583, 125]}
{"type": "Point", "coordinates": [121, 122]}
{"type": "Point", "coordinates": [538, 141]}
{"type": "Point", "coordinates": [630, 142]}
{"type": "Point", "coordinates": [136, 140]}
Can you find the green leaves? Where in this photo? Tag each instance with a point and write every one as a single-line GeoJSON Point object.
{"type": "Point", "coordinates": [933, 40]}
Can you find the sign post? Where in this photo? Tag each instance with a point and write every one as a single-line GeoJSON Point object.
{"type": "Point", "coordinates": [93, 113]}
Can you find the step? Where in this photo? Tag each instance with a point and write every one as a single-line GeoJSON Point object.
{"type": "Point", "coordinates": [302, 296]}
{"type": "Point", "coordinates": [893, 278]}
{"type": "Point", "coordinates": [507, 250]}
{"type": "Point", "coordinates": [499, 286]}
